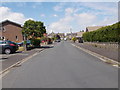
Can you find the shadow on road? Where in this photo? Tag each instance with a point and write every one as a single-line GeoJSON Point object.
{"type": "Point", "coordinates": [46, 47]}
{"type": "Point", "coordinates": [17, 52]}
{"type": "Point", "coordinates": [39, 47]}
{"type": "Point", "coordinates": [3, 58]}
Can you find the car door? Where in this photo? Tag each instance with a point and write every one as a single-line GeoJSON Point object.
{"type": "Point", "coordinates": [0, 47]}
{"type": "Point", "coordinates": [2, 44]}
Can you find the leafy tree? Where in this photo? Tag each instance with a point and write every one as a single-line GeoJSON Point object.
{"type": "Point", "coordinates": [74, 39]}
{"type": "Point", "coordinates": [56, 37]}
{"type": "Point", "coordinates": [33, 29]}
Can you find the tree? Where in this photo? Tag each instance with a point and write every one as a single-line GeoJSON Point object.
{"type": "Point", "coordinates": [74, 39]}
{"type": "Point", "coordinates": [57, 36]}
{"type": "Point", "coordinates": [33, 29]}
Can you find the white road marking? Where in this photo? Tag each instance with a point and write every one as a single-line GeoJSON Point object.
{"type": "Point", "coordinates": [102, 58]}
{"type": "Point", "coordinates": [23, 54]}
{"type": "Point", "coordinates": [7, 70]}
{"type": "Point", "coordinates": [2, 75]}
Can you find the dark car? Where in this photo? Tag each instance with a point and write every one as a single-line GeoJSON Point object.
{"type": "Point", "coordinates": [22, 43]}
{"type": "Point", "coordinates": [58, 40]}
{"type": "Point", "coordinates": [80, 39]}
{"type": "Point", "coordinates": [8, 47]}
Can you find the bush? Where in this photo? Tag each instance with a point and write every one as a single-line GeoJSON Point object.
{"type": "Point", "coordinates": [43, 38]}
{"type": "Point", "coordinates": [36, 42]}
{"type": "Point", "coordinates": [105, 34]}
{"type": "Point", "coordinates": [74, 39]}
{"type": "Point", "coordinates": [49, 40]}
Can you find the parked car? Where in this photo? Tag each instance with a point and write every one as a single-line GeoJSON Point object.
{"type": "Point", "coordinates": [58, 40]}
{"type": "Point", "coordinates": [80, 39]}
{"type": "Point", "coordinates": [8, 47]}
{"type": "Point", "coordinates": [21, 43]}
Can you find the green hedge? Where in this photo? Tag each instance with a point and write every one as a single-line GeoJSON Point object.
{"type": "Point", "coordinates": [105, 34]}
{"type": "Point", "coordinates": [36, 42]}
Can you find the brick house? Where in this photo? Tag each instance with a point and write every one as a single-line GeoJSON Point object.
{"type": "Point", "coordinates": [11, 31]}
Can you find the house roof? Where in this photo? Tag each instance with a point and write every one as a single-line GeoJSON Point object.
{"type": "Point", "coordinates": [93, 28]}
{"type": "Point", "coordinates": [79, 34]}
{"type": "Point", "coordinates": [8, 21]}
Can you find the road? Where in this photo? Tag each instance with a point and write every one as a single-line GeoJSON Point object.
{"type": "Point", "coordinates": [63, 66]}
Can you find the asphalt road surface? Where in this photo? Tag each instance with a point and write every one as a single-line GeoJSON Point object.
{"type": "Point", "coordinates": [63, 66]}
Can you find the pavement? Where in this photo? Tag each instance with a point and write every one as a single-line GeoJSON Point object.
{"type": "Point", "coordinates": [7, 61]}
{"type": "Point", "coordinates": [109, 53]}
{"type": "Point", "coordinates": [62, 66]}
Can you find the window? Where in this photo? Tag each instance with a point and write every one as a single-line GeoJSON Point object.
{"type": "Point", "coordinates": [16, 38]}
{"type": "Point", "coordinates": [2, 38]}
{"type": "Point", "coordinates": [2, 29]}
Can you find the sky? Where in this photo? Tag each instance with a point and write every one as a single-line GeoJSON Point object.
{"type": "Point", "coordinates": [62, 17]}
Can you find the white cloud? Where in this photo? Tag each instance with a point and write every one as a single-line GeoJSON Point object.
{"type": "Point", "coordinates": [55, 15]}
{"type": "Point", "coordinates": [85, 19]}
{"type": "Point", "coordinates": [71, 18]}
{"type": "Point", "coordinates": [107, 21]}
{"type": "Point", "coordinates": [104, 8]}
{"type": "Point", "coordinates": [21, 4]}
{"type": "Point", "coordinates": [6, 13]}
{"type": "Point", "coordinates": [61, 1]}
{"type": "Point", "coordinates": [62, 25]}
{"type": "Point", "coordinates": [69, 11]}
{"type": "Point", "coordinates": [42, 15]}
{"type": "Point", "coordinates": [59, 6]}
{"type": "Point", "coordinates": [37, 4]}
{"type": "Point", "coordinates": [78, 19]}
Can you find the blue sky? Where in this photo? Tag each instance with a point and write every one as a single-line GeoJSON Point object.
{"type": "Point", "coordinates": [61, 16]}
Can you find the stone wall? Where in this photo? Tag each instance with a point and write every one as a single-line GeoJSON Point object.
{"type": "Point", "coordinates": [107, 45]}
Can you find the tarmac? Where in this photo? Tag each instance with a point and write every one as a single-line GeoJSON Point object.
{"type": "Point", "coordinates": [109, 53]}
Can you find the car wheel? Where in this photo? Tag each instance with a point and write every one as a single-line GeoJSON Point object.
{"type": "Point", "coordinates": [7, 51]}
